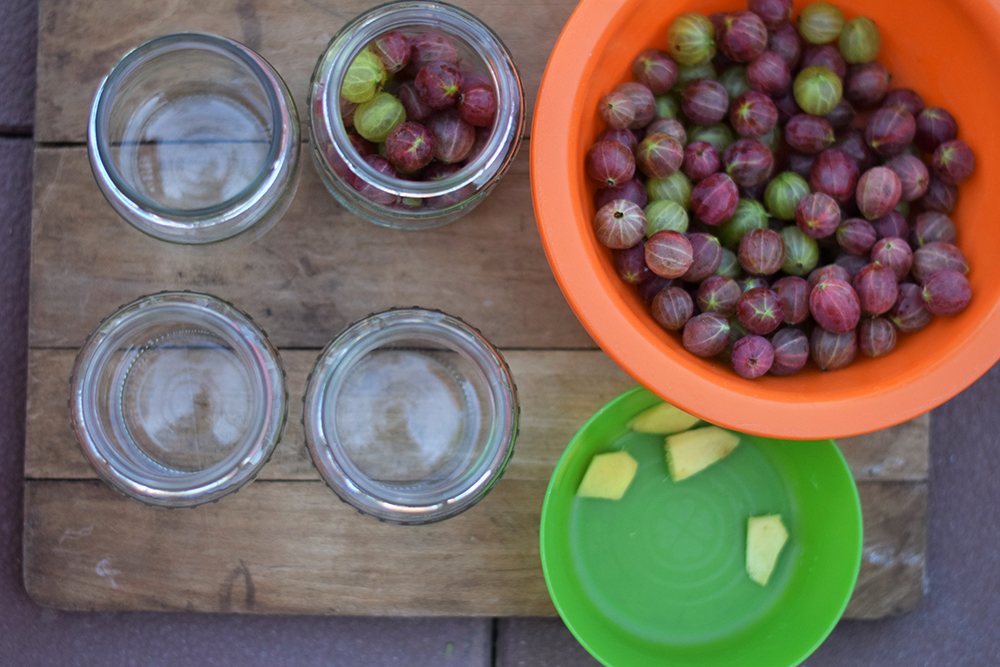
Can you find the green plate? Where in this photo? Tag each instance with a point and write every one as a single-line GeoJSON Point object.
{"type": "Point", "coordinates": [658, 577]}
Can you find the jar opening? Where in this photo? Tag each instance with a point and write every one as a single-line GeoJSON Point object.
{"type": "Point", "coordinates": [410, 415]}
{"type": "Point", "coordinates": [178, 399]}
{"type": "Point", "coordinates": [188, 126]}
{"type": "Point", "coordinates": [476, 38]}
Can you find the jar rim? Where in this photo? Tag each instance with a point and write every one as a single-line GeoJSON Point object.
{"type": "Point", "coordinates": [352, 346]}
{"type": "Point", "coordinates": [491, 162]}
{"type": "Point", "coordinates": [173, 488]}
{"type": "Point", "coordinates": [154, 215]}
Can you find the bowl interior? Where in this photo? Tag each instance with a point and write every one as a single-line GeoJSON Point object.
{"type": "Point", "coordinates": [940, 49]}
{"type": "Point", "coordinates": [658, 577]}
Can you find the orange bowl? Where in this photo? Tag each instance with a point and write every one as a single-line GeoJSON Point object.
{"type": "Point", "coordinates": [947, 51]}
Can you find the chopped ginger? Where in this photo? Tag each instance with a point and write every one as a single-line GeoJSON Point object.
{"type": "Point", "coordinates": [663, 419]}
{"type": "Point", "coordinates": [693, 451]}
{"type": "Point", "coordinates": [766, 537]}
{"type": "Point", "coordinates": [608, 476]}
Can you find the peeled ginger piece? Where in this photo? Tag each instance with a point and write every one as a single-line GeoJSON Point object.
{"type": "Point", "coordinates": [766, 537]}
{"type": "Point", "coordinates": [663, 419]}
{"type": "Point", "coordinates": [693, 451]}
{"type": "Point", "coordinates": [608, 476]}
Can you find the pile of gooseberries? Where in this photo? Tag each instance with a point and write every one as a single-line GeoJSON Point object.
{"type": "Point", "coordinates": [415, 109]}
{"type": "Point", "coordinates": [772, 197]}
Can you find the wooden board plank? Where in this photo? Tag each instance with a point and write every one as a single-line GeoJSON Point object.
{"type": "Point", "coordinates": [293, 547]}
{"type": "Point", "coordinates": [558, 391]}
{"type": "Point", "coordinates": [293, 544]}
{"type": "Point", "coordinates": [899, 453]}
{"type": "Point", "coordinates": [80, 41]}
{"type": "Point", "coordinates": [317, 271]}
{"type": "Point", "coordinates": [892, 577]}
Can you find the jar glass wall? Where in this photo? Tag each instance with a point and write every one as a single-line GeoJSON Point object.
{"type": "Point", "coordinates": [447, 192]}
{"type": "Point", "coordinates": [194, 138]}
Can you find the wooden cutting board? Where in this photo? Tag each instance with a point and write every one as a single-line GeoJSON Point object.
{"type": "Point", "coordinates": [286, 544]}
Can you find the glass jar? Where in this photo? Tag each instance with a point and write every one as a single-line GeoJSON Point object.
{"type": "Point", "coordinates": [410, 415]}
{"type": "Point", "coordinates": [194, 138]}
{"type": "Point", "coordinates": [178, 399]}
{"type": "Point", "coordinates": [414, 204]}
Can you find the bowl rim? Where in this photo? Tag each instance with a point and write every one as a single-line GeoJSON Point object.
{"type": "Point", "coordinates": [637, 351]}
{"type": "Point", "coordinates": [569, 451]}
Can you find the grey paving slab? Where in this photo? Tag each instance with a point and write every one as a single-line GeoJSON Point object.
{"type": "Point", "coordinates": [539, 642]}
{"type": "Point", "coordinates": [18, 44]}
{"type": "Point", "coordinates": [959, 622]}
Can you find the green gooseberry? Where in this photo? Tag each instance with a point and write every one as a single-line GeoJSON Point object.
{"type": "Point", "coordinates": [730, 265]}
{"type": "Point", "coordinates": [817, 90]}
{"type": "Point", "coordinates": [820, 23]}
{"type": "Point", "coordinates": [665, 215]}
{"type": "Point", "coordinates": [783, 193]}
{"type": "Point", "coordinates": [688, 74]}
{"type": "Point", "coordinates": [365, 75]}
{"type": "Point", "coordinates": [801, 252]}
{"type": "Point", "coordinates": [860, 41]}
{"type": "Point", "coordinates": [676, 187]}
{"type": "Point", "coordinates": [734, 80]}
{"type": "Point", "coordinates": [375, 119]}
{"type": "Point", "coordinates": [719, 135]}
{"type": "Point", "coordinates": [667, 106]}
{"type": "Point", "coordinates": [749, 214]}
{"type": "Point", "coordinates": [691, 39]}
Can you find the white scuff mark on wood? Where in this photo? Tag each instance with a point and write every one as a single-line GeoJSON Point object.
{"type": "Point", "coordinates": [71, 534]}
{"type": "Point", "coordinates": [105, 570]}
{"type": "Point", "coordinates": [887, 557]}
{"type": "Point", "coordinates": [892, 463]}
{"type": "Point", "coordinates": [880, 555]}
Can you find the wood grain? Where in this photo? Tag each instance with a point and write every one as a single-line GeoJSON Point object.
{"type": "Point", "coordinates": [317, 271]}
{"type": "Point", "coordinates": [80, 41]}
{"type": "Point", "coordinates": [558, 391]}
{"type": "Point", "coordinates": [892, 578]}
{"type": "Point", "coordinates": [900, 453]}
{"type": "Point", "coordinates": [293, 547]}
{"type": "Point", "coordinates": [202, 556]}
{"type": "Point", "coordinates": [281, 547]}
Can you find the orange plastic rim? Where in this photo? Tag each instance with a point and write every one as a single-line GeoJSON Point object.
{"type": "Point", "coordinates": [944, 49]}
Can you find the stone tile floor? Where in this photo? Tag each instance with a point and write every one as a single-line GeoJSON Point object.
{"type": "Point", "coordinates": [959, 622]}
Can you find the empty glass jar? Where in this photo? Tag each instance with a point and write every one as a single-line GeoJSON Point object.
{"type": "Point", "coordinates": [194, 138]}
{"type": "Point", "coordinates": [450, 192]}
{"type": "Point", "coordinates": [178, 399]}
{"type": "Point", "coordinates": [410, 415]}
